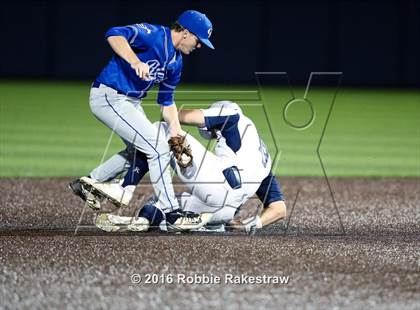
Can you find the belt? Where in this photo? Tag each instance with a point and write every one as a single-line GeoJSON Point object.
{"type": "Point", "coordinates": [96, 84]}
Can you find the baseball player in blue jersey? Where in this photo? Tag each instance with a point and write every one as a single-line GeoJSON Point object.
{"type": "Point", "coordinates": [145, 55]}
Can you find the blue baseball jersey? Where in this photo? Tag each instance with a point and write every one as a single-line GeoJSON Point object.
{"type": "Point", "coordinates": [153, 46]}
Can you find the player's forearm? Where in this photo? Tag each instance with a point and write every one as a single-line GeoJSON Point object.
{"type": "Point", "coordinates": [273, 213]}
{"type": "Point", "coordinates": [170, 115]}
{"type": "Point", "coordinates": [193, 117]}
{"type": "Point", "coordinates": [120, 46]}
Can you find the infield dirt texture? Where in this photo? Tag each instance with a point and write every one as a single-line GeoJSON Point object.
{"type": "Point", "coordinates": [375, 264]}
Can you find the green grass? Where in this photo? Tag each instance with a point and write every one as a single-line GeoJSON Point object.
{"type": "Point", "coordinates": [47, 129]}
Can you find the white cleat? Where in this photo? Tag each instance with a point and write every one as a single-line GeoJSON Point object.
{"type": "Point", "coordinates": [102, 222]}
{"type": "Point", "coordinates": [112, 191]}
{"type": "Point", "coordinates": [91, 200]}
{"type": "Point", "coordinates": [220, 228]}
{"type": "Point", "coordinates": [114, 223]}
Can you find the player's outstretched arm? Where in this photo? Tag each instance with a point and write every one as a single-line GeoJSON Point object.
{"type": "Point", "coordinates": [194, 117]}
{"type": "Point", "coordinates": [177, 142]}
{"type": "Point", "coordinates": [170, 115]}
{"type": "Point", "coordinates": [122, 48]}
{"type": "Point", "coordinates": [274, 212]}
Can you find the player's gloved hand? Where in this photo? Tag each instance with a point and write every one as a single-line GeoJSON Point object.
{"type": "Point", "coordinates": [250, 225]}
{"type": "Point", "coordinates": [142, 69]}
{"type": "Point", "coordinates": [181, 150]}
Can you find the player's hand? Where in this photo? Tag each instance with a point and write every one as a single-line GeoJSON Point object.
{"type": "Point", "coordinates": [181, 151]}
{"type": "Point", "coordinates": [142, 69]}
{"type": "Point", "coordinates": [250, 225]}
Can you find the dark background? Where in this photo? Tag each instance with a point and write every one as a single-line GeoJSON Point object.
{"type": "Point", "coordinates": [375, 43]}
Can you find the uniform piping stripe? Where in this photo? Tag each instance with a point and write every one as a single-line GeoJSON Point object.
{"type": "Point", "coordinates": [136, 32]}
{"type": "Point", "coordinates": [166, 46]}
{"type": "Point", "coordinates": [160, 166]}
{"type": "Point", "coordinates": [169, 86]}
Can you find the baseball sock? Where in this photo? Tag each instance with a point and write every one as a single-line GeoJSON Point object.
{"type": "Point", "coordinates": [137, 171]}
{"type": "Point", "coordinates": [153, 214]}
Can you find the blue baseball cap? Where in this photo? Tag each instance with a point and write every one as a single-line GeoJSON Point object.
{"type": "Point", "coordinates": [198, 24]}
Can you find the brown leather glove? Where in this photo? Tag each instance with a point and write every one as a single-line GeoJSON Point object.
{"type": "Point", "coordinates": [181, 150]}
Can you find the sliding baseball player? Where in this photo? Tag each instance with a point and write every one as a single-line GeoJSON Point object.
{"type": "Point", "coordinates": [219, 183]}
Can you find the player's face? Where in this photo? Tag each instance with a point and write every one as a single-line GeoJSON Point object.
{"type": "Point", "coordinates": [189, 43]}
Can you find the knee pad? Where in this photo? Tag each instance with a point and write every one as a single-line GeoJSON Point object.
{"type": "Point", "coordinates": [233, 177]}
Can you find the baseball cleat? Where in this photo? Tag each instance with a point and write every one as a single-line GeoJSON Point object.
{"type": "Point", "coordinates": [112, 191]}
{"type": "Point", "coordinates": [78, 189]}
{"type": "Point", "coordinates": [183, 221]}
{"type": "Point", "coordinates": [114, 223]}
{"type": "Point", "coordinates": [212, 228]}
{"type": "Point", "coordinates": [102, 222]}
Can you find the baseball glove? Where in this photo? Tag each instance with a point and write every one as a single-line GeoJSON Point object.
{"type": "Point", "coordinates": [181, 150]}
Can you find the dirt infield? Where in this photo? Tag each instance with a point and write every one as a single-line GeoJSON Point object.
{"type": "Point", "coordinates": [374, 264]}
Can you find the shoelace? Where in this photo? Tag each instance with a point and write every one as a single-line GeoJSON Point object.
{"type": "Point", "coordinates": [191, 218]}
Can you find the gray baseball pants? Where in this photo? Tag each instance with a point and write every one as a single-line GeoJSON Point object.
{"type": "Point", "coordinates": [125, 116]}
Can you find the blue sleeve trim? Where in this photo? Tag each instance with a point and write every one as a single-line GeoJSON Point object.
{"type": "Point", "coordinates": [228, 125]}
{"type": "Point", "coordinates": [168, 86]}
{"type": "Point", "coordinates": [269, 190]}
{"type": "Point", "coordinates": [166, 94]}
{"type": "Point", "coordinates": [167, 103]}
